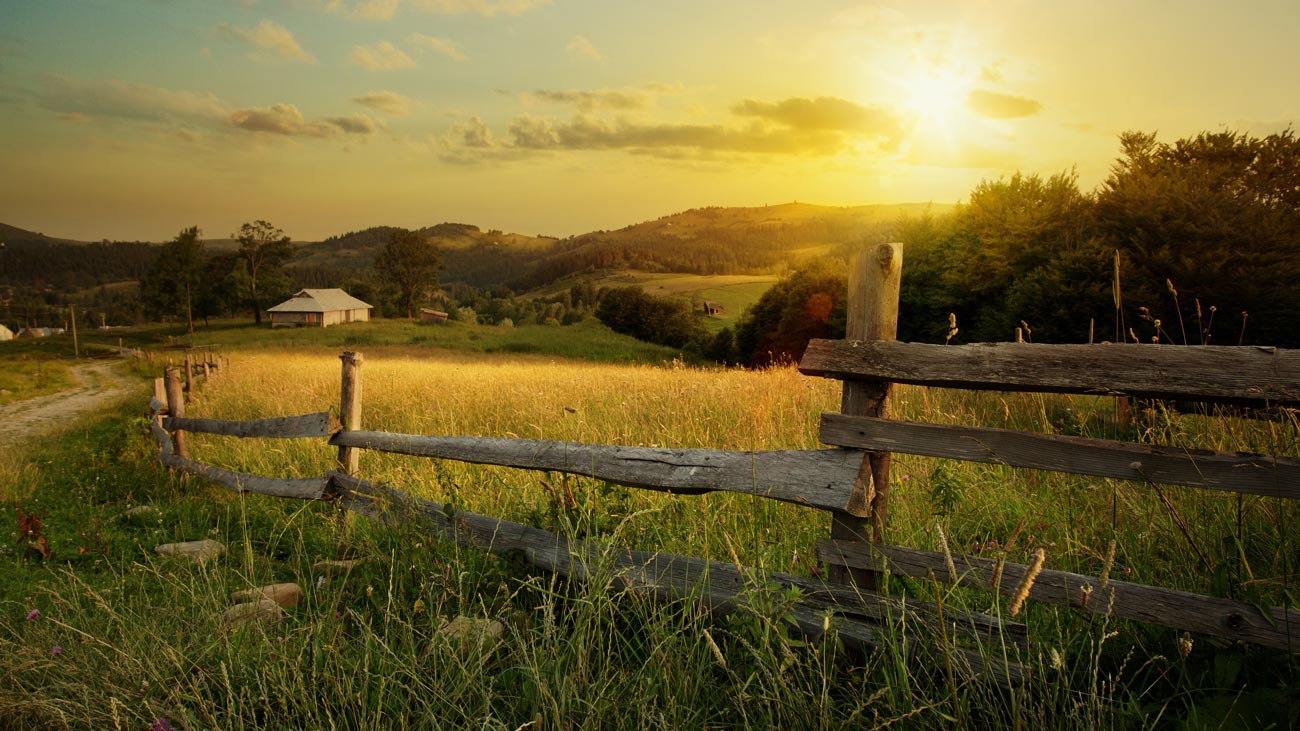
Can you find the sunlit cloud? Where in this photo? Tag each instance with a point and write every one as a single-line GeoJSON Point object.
{"type": "Point", "coordinates": [288, 121]}
{"type": "Point", "coordinates": [486, 8]}
{"type": "Point", "coordinates": [589, 100]}
{"type": "Point", "coordinates": [268, 39]}
{"type": "Point", "coordinates": [580, 47]}
{"type": "Point", "coordinates": [1001, 106]}
{"type": "Point", "coordinates": [587, 133]}
{"type": "Point", "coordinates": [438, 45]}
{"type": "Point", "coordinates": [388, 102]}
{"type": "Point", "coordinates": [382, 56]}
{"type": "Point", "coordinates": [825, 113]}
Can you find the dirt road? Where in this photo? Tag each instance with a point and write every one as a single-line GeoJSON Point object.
{"type": "Point", "coordinates": [97, 384]}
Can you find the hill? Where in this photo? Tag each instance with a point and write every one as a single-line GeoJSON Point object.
{"type": "Point", "coordinates": [703, 241]}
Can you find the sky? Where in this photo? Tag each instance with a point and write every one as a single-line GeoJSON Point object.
{"type": "Point", "coordinates": [135, 119]}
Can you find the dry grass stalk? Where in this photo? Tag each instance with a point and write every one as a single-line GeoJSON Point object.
{"type": "Point", "coordinates": [1022, 591]}
{"type": "Point", "coordinates": [947, 554]}
{"type": "Point", "coordinates": [1108, 564]}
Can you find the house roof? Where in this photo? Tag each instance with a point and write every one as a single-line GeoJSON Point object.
{"type": "Point", "coordinates": [320, 300]}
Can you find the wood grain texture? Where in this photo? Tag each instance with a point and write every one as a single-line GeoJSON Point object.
{"type": "Point", "coordinates": [1257, 474]}
{"type": "Point", "coordinates": [311, 488]}
{"type": "Point", "coordinates": [854, 617]}
{"type": "Point", "coordinates": [1218, 374]}
{"type": "Point", "coordinates": [818, 478]}
{"type": "Point", "coordinates": [1226, 618]}
{"type": "Point", "coordinates": [321, 424]}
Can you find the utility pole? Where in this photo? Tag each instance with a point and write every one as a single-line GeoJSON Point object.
{"type": "Point", "coordinates": [72, 315]}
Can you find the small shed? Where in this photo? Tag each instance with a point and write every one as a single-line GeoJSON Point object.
{"type": "Point", "coordinates": [713, 308]}
{"type": "Point", "coordinates": [319, 308]}
{"type": "Point", "coordinates": [431, 315]}
{"type": "Point", "coordinates": [6, 333]}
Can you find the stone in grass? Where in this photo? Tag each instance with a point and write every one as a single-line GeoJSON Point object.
{"type": "Point", "coordinates": [465, 632]}
{"type": "Point", "coordinates": [286, 595]}
{"type": "Point", "coordinates": [140, 512]}
{"type": "Point", "coordinates": [196, 551]}
{"type": "Point", "coordinates": [263, 611]}
{"type": "Point", "coordinates": [334, 568]}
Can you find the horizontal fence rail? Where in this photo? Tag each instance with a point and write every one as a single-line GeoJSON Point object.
{"type": "Point", "coordinates": [322, 424]}
{"type": "Point", "coordinates": [1257, 474]}
{"type": "Point", "coordinates": [1253, 376]}
{"type": "Point", "coordinates": [818, 478]}
{"type": "Point", "coordinates": [1228, 618]}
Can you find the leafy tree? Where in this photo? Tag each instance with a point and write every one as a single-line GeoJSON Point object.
{"type": "Point", "coordinates": [263, 250]}
{"type": "Point", "coordinates": [631, 311]}
{"type": "Point", "coordinates": [409, 261]}
{"type": "Point", "coordinates": [170, 286]}
{"type": "Point", "coordinates": [807, 304]}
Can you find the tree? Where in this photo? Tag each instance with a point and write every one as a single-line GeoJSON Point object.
{"type": "Point", "coordinates": [170, 286]}
{"type": "Point", "coordinates": [810, 303]}
{"type": "Point", "coordinates": [410, 261]}
{"type": "Point", "coordinates": [263, 248]}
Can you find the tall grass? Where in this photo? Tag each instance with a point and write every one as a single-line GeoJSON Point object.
{"type": "Point", "coordinates": [140, 640]}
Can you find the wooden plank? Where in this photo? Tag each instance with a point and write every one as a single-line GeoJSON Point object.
{"type": "Point", "coordinates": [311, 488]}
{"type": "Point", "coordinates": [819, 478]}
{"type": "Point", "coordinates": [1227, 618]}
{"type": "Point", "coordinates": [1220, 374]}
{"type": "Point", "coordinates": [322, 424]}
{"type": "Point", "coordinates": [164, 439]}
{"type": "Point", "coordinates": [1257, 474]}
{"type": "Point", "coordinates": [721, 587]}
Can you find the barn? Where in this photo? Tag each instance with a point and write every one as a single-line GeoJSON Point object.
{"type": "Point", "coordinates": [319, 308]}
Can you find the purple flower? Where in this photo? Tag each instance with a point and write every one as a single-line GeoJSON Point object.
{"type": "Point", "coordinates": [56, 650]}
{"type": "Point", "coordinates": [161, 724]}
{"type": "Point", "coordinates": [34, 614]}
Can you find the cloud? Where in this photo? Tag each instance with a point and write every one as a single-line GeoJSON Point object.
{"type": "Point", "coordinates": [124, 100]}
{"type": "Point", "coordinates": [286, 120]}
{"type": "Point", "coordinates": [589, 100]}
{"type": "Point", "coordinates": [382, 56]}
{"type": "Point", "coordinates": [269, 40]}
{"type": "Point", "coordinates": [1001, 106]}
{"type": "Point", "coordinates": [826, 113]}
{"type": "Point", "coordinates": [581, 47]}
{"type": "Point", "coordinates": [365, 9]}
{"type": "Point", "coordinates": [473, 134]}
{"type": "Point", "coordinates": [486, 8]}
{"type": "Point", "coordinates": [586, 133]}
{"type": "Point", "coordinates": [443, 46]}
{"type": "Point", "coordinates": [388, 102]}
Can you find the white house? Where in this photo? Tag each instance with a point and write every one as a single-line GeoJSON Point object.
{"type": "Point", "coordinates": [319, 308]}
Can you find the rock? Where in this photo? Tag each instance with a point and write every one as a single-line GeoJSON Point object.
{"type": "Point", "coordinates": [465, 632]}
{"type": "Point", "coordinates": [140, 513]}
{"type": "Point", "coordinates": [196, 551]}
{"type": "Point", "coordinates": [262, 610]}
{"type": "Point", "coordinates": [333, 568]}
{"type": "Point", "coordinates": [285, 595]}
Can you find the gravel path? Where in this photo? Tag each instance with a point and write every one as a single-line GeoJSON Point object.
{"type": "Point", "coordinates": [98, 383]}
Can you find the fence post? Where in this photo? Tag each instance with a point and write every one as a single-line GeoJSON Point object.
{"type": "Point", "coordinates": [350, 409]}
{"type": "Point", "coordinates": [160, 390]}
{"type": "Point", "coordinates": [176, 408]}
{"type": "Point", "coordinates": [189, 372]}
{"type": "Point", "coordinates": [874, 279]}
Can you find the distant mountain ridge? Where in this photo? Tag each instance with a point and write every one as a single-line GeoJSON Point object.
{"type": "Point", "coordinates": [707, 241]}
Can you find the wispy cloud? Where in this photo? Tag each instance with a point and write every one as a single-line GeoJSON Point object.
{"type": "Point", "coordinates": [1001, 106]}
{"type": "Point", "coordinates": [438, 45]}
{"type": "Point", "coordinates": [388, 102]}
{"type": "Point", "coordinates": [486, 8]}
{"type": "Point", "coordinates": [382, 56]}
{"type": "Point", "coordinates": [268, 39]}
{"type": "Point", "coordinates": [580, 47]}
{"type": "Point", "coordinates": [365, 9]}
{"type": "Point", "coordinates": [118, 99]}
{"type": "Point", "coordinates": [828, 114]}
{"type": "Point", "coordinates": [587, 133]}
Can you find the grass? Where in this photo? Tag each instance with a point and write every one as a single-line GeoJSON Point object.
{"type": "Point", "coordinates": [139, 639]}
{"type": "Point", "coordinates": [28, 377]}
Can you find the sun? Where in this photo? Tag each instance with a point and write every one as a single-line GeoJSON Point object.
{"type": "Point", "coordinates": [934, 95]}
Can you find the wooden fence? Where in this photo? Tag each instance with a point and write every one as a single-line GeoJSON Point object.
{"type": "Point", "coordinates": [849, 480]}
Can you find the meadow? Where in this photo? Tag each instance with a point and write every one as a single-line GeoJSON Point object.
{"type": "Point", "coordinates": [137, 639]}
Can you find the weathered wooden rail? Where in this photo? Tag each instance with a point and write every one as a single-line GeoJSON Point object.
{"type": "Point", "coordinates": [850, 480]}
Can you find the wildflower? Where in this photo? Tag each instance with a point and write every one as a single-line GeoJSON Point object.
{"type": "Point", "coordinates": [1185, 644]}
{"type": "Point", "coordinates": [34, 614]}
{"type": "Point", "coordinates": [161, 724]}
{"type": "Point", "coordinates": [56, 650]}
